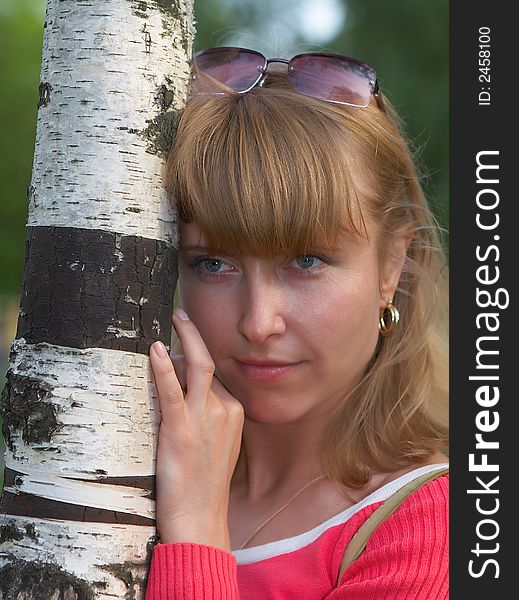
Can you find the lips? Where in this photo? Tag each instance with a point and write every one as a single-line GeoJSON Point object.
{"type": "Point", "coordinates": [266, 371]}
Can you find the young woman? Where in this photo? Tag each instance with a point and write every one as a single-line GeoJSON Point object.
{"type": "Point", "coordinates": [312, 384]}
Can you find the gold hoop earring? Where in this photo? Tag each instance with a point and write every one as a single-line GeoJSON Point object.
{"type": "Point", "coordinates": [388, 318]}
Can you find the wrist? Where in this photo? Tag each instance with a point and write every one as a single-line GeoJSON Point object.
{"type": "Point", "coordinates": [217, 537]}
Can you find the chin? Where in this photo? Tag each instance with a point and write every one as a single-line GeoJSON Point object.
{"type": "Point", "coordinates": [272, 409]}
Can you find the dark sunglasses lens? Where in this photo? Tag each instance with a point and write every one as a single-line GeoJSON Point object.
{"type": "Point", "coordinates": [333, 79]}
{"type": "Point", "coordinates": [216, 69]}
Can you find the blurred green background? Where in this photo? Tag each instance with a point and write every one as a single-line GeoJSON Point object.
{"type": "Point", "coordinates": [406, 41]}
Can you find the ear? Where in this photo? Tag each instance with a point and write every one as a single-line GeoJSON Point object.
{"type": "Point", "coordinates": [391, 266]}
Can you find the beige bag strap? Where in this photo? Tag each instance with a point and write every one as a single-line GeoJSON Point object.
{"type": "Point", "coordinates": [359, 541]}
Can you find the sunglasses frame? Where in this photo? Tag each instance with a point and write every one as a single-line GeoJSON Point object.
{"type": "Point", "coordinates": [262, 75]}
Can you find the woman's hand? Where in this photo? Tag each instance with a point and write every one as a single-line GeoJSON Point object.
{"type": "Point", "coordinates": [199, 442]}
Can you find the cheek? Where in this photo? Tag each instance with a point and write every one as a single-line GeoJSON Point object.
{"type": "Point", "coordinates": [349, 323]}
{"type": "Point", "coordinates": [212, 316]}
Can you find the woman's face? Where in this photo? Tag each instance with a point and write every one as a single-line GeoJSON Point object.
{"type": "Point", "coordinates": [289, 336]}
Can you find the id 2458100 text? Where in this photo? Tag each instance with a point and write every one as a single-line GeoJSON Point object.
{"type": "Point", "coordinates": [484, 49]}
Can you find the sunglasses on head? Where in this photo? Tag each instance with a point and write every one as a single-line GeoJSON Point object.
{"type": "Point", "coordinates": [329, 77]}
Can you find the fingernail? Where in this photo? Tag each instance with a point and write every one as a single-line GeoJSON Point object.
{"type": "Point", "coordinates": [160, 349]}
{"type": "Point", "coordinates": [181, 314]}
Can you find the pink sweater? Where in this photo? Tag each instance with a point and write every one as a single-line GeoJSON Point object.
{"type": "Point", "coordinates": [405, 559]}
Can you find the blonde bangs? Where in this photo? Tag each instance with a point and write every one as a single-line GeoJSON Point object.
{"type": "Point", "coordinates": [257, 175]}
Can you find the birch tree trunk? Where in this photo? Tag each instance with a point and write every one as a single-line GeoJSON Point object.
{"type": "Point", "coordinates": [80, 417]}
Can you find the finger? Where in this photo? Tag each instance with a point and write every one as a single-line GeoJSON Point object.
{"type": "Point", "coordinates": [199, 365]}
{"type": "Point", "coordinates": [221, 391]}
{"type": "Point", "coordinates": [226, 398]}
{"type": "Point", "coordinates": [217, 386]}
{"type": "Point", "coordinates": [169, 390]}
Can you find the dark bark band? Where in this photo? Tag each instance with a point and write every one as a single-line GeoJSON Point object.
{"type": "Point", "coordinates": [87, 288]}
{"type": "Point", "coordinates": [28, 505]}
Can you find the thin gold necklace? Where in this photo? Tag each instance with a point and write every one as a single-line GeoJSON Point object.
{"type": "Point", "coordinates": [278, 511]}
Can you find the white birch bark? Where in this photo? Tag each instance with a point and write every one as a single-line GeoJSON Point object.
{"type": "Point", "coordinates": [109, 67]}
{"type": "Point", "coordinates": [114, 73]}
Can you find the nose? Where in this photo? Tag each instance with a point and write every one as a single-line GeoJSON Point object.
{"type": "Point", "coordinates": [262, 310]}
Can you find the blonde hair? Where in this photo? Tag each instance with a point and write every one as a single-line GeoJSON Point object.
{"type": "Point", "coordinates": [270, 172]}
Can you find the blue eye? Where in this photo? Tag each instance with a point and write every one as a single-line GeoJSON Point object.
{"type": "Point", "coordinates": [211, 266]}
{"type": "Point", "coordinates": [307, 262]}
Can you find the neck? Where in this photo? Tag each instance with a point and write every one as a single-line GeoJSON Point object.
{"type": "Point", "coordinates": [276, 459]}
